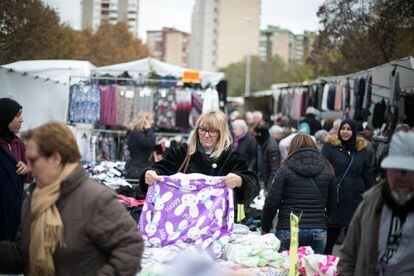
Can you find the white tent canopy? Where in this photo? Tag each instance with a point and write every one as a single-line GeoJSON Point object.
{"type": "Point", "coordinates": [141, 67]}
{"type": "Point", "coordinates": [54, 70]}
{"type": "Point", "coordinates": [42, 100]}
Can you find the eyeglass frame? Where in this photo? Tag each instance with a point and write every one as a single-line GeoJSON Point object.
{"type": "Point", "coordinates": [203, 131]}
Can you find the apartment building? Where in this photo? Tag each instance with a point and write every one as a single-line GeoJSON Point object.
{"type": "Point", "coordinates": [223, 32]}
{"type": "Point", "coordinates": [97, 12]}
{"type": "Point", "coordinates": [288, 46]}
{"type": "Point", "coordinates": [169, 45]}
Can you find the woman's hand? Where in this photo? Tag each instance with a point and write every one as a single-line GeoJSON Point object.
{"type": "Point", "coordinates": [233, 180]}
{"type": "Point", "coordinates": [22, 168]}
{"type": "Point", "coordinates": [150, 177]}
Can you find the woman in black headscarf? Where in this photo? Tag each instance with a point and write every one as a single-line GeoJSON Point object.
{"type": "Point", "coordinates": [13, 169]}
{"type": "Point", "coordinates": [348, 155]}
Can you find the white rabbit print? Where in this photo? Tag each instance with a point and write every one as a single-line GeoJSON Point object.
{"type": "Point", "coordinates": [205, 195]}
{"type": "Point", "coordinates": [190, 201]}
{"type": "Point", "coordinates": [218, 214]}
{"type": "Point", "coordinates": [152, 225]}
{"type": "Point", "coordinates": [215, 242]}
{"type": "Point", "coordinates": [159, 201]}
{"type": "Point", "coordinates": [195, 232]}
{"type": "Point", "coordinates": [174, 234]}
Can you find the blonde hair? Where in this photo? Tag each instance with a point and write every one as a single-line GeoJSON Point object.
{"type": "Point", "coordinates": [216, 120]}
{"type": "Point", "coordinates": [140, 121]}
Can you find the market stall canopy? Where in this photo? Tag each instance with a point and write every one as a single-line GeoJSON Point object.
{"type": "Point", "coordinates": [139, 68]}
{"type": "Point", "coordinates": [55, 70]}
{"type": "Point", "coordinates": [381, 74]}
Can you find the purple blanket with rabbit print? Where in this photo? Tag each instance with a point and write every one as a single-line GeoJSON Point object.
{"type": "Point", "coordinates": [188, 208]}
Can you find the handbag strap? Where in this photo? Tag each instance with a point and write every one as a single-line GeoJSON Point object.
{"type": "Point", "coordinates": [319, 193]}
{"type": "Point", "coordinates": [346, 171]}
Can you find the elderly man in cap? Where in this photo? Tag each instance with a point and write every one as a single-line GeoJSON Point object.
{"type": "Point", "coordinates": [380, 238]}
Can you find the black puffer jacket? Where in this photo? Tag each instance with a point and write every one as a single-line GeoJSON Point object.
{"type": "Point", "coordinates": [247, 147]}
{"type": "Point", "coordinates": [271, 160]}
{"type": "Point", "coordinates": [140, 145]}
{"type": "Point", "coordinates": [292, 191]}
{"type": "Point", "coordinates": [356, 182]}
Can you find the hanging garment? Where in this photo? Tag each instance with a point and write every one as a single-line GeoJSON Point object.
{"type": "Point", "coordinates": [347, 94]}
{"type": "Point", "coordinates": [144, 99]}
{"type": "Point", "coordinates": [196, 106]}
{"type": "Point", "coordinates": [108, 105]}
{"type": "Point", "coordinates": [409, 109]}
{"type": "Point", "coordinates": [319, 89]}
{"type": "Point", "coordinates": [338, 98]}
{"type": "Point", "coordinates": [182, 114]}
{"type": "Point", "coordinates": [191, 208]}
{"type": "Point", "coordinates": [295, 111]}
{"type": "Point", "coordinates": [331, 97]}
{"type": "Point", "coordinates": [210, 100]}
{"type": "Point", "coordinates": [164, 108]}
{"type": "Point", "coordinates": [359, 99]}
{"type": "Point", "coordinates": [396, 99]}
{"type": "Point", "coordinates": [125, 102]}
{"type": "Point", "coordinates": [84, 104]}
{"type": "Point", "coordinates": [325, 97]}
{"type": "Point", "coordinates": [367, 98]}
{"type": "Point", "coordinates": [378, 118]}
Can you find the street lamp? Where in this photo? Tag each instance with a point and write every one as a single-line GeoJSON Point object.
{"type": "Point", "coordinates": [248, 61]}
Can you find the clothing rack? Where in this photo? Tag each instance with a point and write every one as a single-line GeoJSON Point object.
{"type": "Point", "coordinates": [402, 66]}
{"type": "Point", "coordinates": [123, 132]}
{"type": "Point", "coordinates": [139, 80]}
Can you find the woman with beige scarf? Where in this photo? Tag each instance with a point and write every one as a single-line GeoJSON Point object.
{"type": "Point", "coordinates": [70, 225]}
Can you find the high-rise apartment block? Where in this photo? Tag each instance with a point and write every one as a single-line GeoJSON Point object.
{"type": "Point", "coordinates": [288, 46]}
{"type": "Point", "coordinates": [223, 32]}
{"type": "Point", "coordinates": [169, 45]}
{"type": "Point", "coordinates": [97, 12]}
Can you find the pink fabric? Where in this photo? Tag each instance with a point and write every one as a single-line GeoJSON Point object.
{"type": "Point", "coordinates": [129, 201]}
{"type": "Point", "coordinates": [315, 264]}
{"type": "Point", "coordinates": [338, 98]}
{"type": "Point", "coordinates": [108, 105]}
{"type": "Point", "coordinates": [296, 110]}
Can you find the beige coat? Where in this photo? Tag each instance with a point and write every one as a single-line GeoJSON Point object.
{"type": "Point", "coordinates": [101, 238]}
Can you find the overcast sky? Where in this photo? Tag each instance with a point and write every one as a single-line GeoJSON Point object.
{"type": "Point", "coordinates": [295, 15]}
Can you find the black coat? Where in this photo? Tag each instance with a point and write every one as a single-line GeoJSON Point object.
{"type": "Point", "coordinates": [140, 145]}
{"type": "Point", "coordinates": [314, 124]}
{"type": "Point", "coordinates": [292, 191]}
{"type": "Point", "coordinates": [229, 161]}
{"type": "Point", "coordinates": [358, 180]}
{"type": "Point", "coordinates": [247, 148]}
{"type": "Point", "coordinates": [271, 161]}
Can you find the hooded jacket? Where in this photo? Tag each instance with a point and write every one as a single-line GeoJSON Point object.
{"type": "Point", "coordinates": [293, 191]}
{"type": "Point", "coordinates": [356, 182]}
{"type": "Point", "coordinates": [100, 237]}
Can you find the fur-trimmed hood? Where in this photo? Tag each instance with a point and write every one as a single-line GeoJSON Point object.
{"type": "Point", "coordinates": [361, 143]}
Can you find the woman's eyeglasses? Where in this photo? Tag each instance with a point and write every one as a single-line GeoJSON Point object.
{"type": "Point", "coordinates": [212, 132]}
